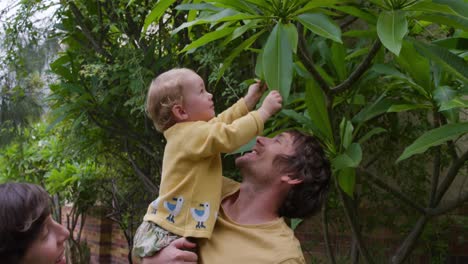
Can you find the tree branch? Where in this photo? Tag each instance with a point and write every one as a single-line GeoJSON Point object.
{"type": "Point", "coordinates": [393, 191]}
{"type": "Point", "coordinates": [326, 234]}
{"type": "Point", "coordinates": [308, 63]}
{"type": "Point", "coordinates": [410, 241]}
{"type": "Point", "coordinates": [359, 71]}
{"type": "Point", "coordinates": [87, 33]}
{"type": "Point", "coordinates": [451, 174]}
{"type": "Point", "coordinates": [148, 183]}
{"type": "Point", "coordinates": [345, 200]}
{"type": "Point", "coordinates": [442, 209]}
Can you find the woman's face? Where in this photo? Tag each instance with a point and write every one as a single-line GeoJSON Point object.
{"type": "Point", "coordinates": [49, 246]}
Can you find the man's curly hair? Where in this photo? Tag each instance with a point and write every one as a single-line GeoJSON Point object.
{"type": "Point", "coordinates": [309, 164]}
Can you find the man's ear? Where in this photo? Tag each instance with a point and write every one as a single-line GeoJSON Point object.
{"type": "Point", "coordinates": [179, 113]}
{"type": "Point", "coordinates": [289, 180]}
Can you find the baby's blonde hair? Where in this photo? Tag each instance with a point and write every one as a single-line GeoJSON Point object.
{"type": "Point", "coordinates": [164, 92]}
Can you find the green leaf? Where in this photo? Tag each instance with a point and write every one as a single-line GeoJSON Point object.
{"type": "Point", "coordinates": [349, 159]}
{"type": "Point", "coordinates": [198, 6]}
{"type": "Point", "coordinates": [389, 71]}
{"type": "Point", "coordinates": [316, 107]}
{"type": "Point", "coordinates": [292, 35]}
{"type": "Point", "coordinates": [321, 25]}
{"type": "Point", "coordinates": [277, 61]}
{"type": "Point", "coordinates": [372, 110]}
{"type": "Point", "coordinates": [295, 222]}
{"type": "Point", "coordinates": [416, 65]}
{"type": "Point", "coordinates": [338, 54]}
{"type": "Point", "coordinates": [223, 16]}
{"type": "Point", "coordinates": [158, 10]}
{"type": "Point", "coordinates": [459, 6]}
{"type": "Point", "coordinates": [434, 138]}
{"type": "Point", "coordinates": [357, 12]}
{"type": "Point", "coordinates": [306, 122]}
{"type": "Point", "coordinates": [239, 5]}
{"type": "Point", "coordinates": [452, 43]}
{"type": "Point", "coordinates": [347, 180]}
{"type": "Point", "coordinates": [391, 29]}
{"type": "Point", "coordinates": [454, 103]}
{"type": "Point", "coordinates": [311, 5]}
{"type": "Point", "coordinates": [374, 131]}
{"type": "Point", "coordinates": [245, 148]}
{"type": "Point", "coordinates": [244, 45]}
{"type": "Point", "coordinates": [407, 107]}
{"type": "Point", "coordinates": [445, 19]}
{"type": "Point", "coordinates": [445, 58]}
{"type": "Point", "coordinates": [346, 132]}
{"type": "Point", "coordinates": [431, 7]}
{"type": "Point", "coordinates": [207, 38]}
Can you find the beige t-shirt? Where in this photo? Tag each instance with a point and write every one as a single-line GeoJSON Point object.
{"type": "Point", "coordinates": [233, 243]}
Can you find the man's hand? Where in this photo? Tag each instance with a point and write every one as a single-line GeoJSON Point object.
{"type": "Point", "coordinates": [254, 94]}
{"type": "Point", "coordinates": [271, 105]}
{"type": "Point", "coordinates": [175, 253]}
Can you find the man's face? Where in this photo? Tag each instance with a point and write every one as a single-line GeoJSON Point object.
{"type": "Point", "coordinates": [259, 162]}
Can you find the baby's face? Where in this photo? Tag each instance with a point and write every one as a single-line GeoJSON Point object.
{"type": "Point", "coordinates": [198, 103]}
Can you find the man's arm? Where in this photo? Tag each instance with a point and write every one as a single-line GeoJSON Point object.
{"type": "Point", "coordinates": [175, 253]}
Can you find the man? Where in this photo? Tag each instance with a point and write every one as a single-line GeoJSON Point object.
{"type": "Point", "coordinates": [287, 175]}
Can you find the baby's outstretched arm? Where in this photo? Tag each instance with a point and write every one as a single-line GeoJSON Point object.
{"type": "Point", "coordinates": [271, 105]}
{"type": "Point", "coordinates": [254, 94]}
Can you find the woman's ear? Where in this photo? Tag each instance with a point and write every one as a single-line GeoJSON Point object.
{"type": "Point", "coordinates": [179, 113]}
{"type": "Point", "coordinates": [289, 180]}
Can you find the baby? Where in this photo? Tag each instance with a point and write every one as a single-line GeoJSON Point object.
{"type": "Point", "coordinates": [190, 190]}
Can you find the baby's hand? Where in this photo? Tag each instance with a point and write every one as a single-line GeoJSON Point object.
{"type": "Point", "coordinates": [254, 94]}
{"type": "Point", "coordinates": [271, 105]}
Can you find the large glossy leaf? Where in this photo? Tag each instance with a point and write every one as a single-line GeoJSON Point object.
{"type": "Point", "coordinates": [368, 135]}
{"type": "Point", "coordinates": [207, 38]}
{"type": "Point", "coordinates": [222, 16]}
{"type": "Point", "coordinates": [318, 3]}
{"type": "Point", "coordinates": [445, 58]}
{"type": "Point", "coordinates": [452, 43]}
{"type": "Point", "coordinates": [338, 54]}
{"type": "Point", "coordinates": [306, 122]}
{"type": "Point", "coordinates": [460, 6]}
{"type": "Point", "coordinates": [357, 12]}
{"type": "Point", "coordinates": [321, 25]}
{"type": "Point", "coordinates": [244, 45]}
{"type": "Point", "coordinates": [416, 65]}
{"type": "Point", "coordinates": [407, 107]}
{"type": "Point", "coordinates": [346, 132]}
{"type": "Point", "coordinates": [349, 159]}
{"type": "Point", "coordinates": [316, 107]}
{"type": "Point", "coordinates": [454, 103]}
{"type": "Point", "coordinates": [391, 28]}
{"type": "Point", "coordinates": [347, 180]}
{"type": "Point", "coordinates": [158, 10]}
{"type": "Point", "coordinates": [390, 72]}
{"type": "Point", "coordinates": [277, 61]}
{"type": "Point", "coordinates": [291, 31]}
{"type": "Point", "coordinates": [372, 110]}
{"type": "Point", "coordinates": [239, 5]}
{"type": "Point", "coordinates": [431, 7]}
{"type": "Point", "coordinates": [445, 19]}
{"type": "Point", "coordinates": [442, 95]}
{"type": "Point", "coordinates": [434, 138]}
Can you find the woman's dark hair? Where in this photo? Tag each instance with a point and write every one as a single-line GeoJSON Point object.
{"type": "Point", "coordinates": [23, 210]}
{"type": "Point", "coordinates": [309, 164]}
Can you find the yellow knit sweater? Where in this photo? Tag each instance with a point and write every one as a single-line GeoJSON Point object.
{"type": "Point", "coordinates": [190, 190]}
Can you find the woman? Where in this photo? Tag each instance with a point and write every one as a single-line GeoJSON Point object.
{"type": "Point", "coordinates": [28, 234]}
